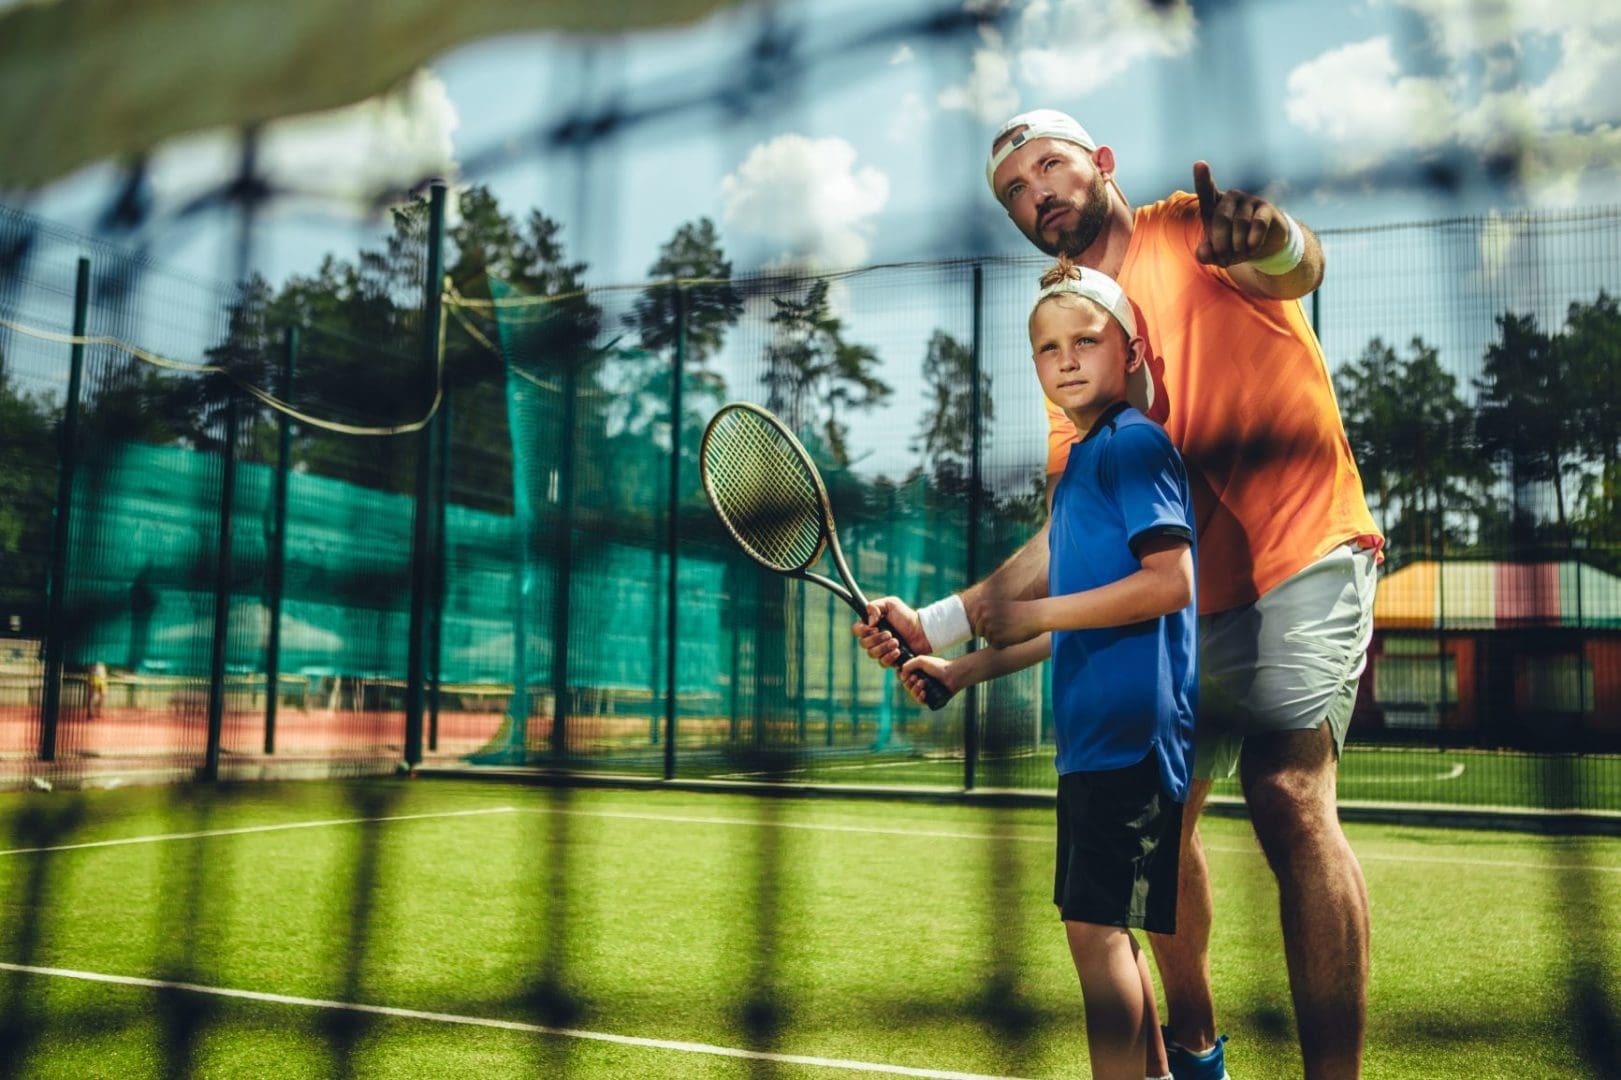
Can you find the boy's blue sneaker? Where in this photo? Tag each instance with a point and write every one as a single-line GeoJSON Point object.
{"type": "Point", "coordinates": [1186, 1065]}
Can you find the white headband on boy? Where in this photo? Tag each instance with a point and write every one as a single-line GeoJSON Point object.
{"type": "Point", "coordinates": [1098, 287]}
{"type": "Point", "coordinates": [1037, 124]}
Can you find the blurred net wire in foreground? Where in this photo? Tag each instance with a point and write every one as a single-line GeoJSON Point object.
{"type": "Point", "coordinates": [532, 577]}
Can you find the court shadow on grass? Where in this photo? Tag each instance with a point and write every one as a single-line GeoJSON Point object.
{"type": "Point", "coordinates": [1590, 943]}
{"type": "Point", "coordinates": [345, 1030]}
{"type": "Point", "coordinates": [33, 893]}
{"type": "Point", "coordinates": [551, 998]}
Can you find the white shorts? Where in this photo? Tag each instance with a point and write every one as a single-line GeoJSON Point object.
{"type": "Point", "coordinates": [1287, 662]}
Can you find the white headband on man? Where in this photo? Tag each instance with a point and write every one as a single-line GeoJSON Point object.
{"type": "Point", "coordinates": [1037, 124]}
{"type": "Point", "coordinates": [1098, 287]}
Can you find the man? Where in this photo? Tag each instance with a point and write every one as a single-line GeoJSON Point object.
{"type": "Point", "coordinates": [1286, 552]}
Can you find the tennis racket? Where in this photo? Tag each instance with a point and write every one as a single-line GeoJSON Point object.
{"type": "Point", "coordinates": [768, 494]}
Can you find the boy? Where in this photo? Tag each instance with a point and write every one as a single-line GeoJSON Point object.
{"type": "Point", "coordinates": [1118, 621]}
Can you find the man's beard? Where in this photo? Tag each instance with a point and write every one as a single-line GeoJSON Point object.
{"type": "Point", "coordinates": [1089, 223]}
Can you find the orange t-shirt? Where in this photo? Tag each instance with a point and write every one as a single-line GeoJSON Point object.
{"type": "Point", "coordinates": [1242, 389]}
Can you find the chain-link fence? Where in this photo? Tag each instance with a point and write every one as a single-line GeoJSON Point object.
{"type": "Point", "coordinates": [364, 518]}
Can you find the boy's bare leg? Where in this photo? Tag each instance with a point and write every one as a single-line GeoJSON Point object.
{"type": "Point", "coordinates": [1183, 958]}
{"type": "Point", "coordinates": [1112, 984]}
{"type": "Point", "coordinates": [1289, 783]}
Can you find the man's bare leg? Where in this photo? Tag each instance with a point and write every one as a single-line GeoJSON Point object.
{"type": "Point", "coordinates": [1289, 783]}
{"type": "Point", "coordinates": [1183, 958]}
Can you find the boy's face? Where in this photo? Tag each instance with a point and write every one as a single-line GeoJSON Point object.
{"type": "Point", "coordinates": [1082, 356]}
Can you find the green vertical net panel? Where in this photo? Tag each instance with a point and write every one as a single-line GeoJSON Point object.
{"type": "Point", "coordinates": [125, 557]}
{"type": "Point", "coordinates": [768, 679]}
{"type": "Point", "coordinates": [587, 413]}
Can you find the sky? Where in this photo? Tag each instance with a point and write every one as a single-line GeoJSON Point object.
{"type": "Point", "coordinates": [825, 134]}
{"type": "Point", "coordinates": [862, 140]}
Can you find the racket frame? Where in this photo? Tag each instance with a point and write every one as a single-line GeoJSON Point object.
{"type": "Point", "coordinates": [849, 592]}
{"type": "Point", "coordinates": [828, 542]}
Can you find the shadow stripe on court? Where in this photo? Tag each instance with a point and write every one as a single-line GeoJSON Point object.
{"type": "Point", "coordinates": [507, 1025]}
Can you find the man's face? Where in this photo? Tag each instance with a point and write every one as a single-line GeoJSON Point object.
{"type": "Point", "coordinates": [1055, 194]}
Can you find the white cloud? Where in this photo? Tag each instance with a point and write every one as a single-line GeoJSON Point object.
{"type": "Point", "coordinates": [910, 118]}
{"type": "Point", "coordinates": [988, 92]}
{"type": "Point", "coordinates": [1537, 81]}
{"type": "Point", "coordinates": [344, 159]}
{"type": "Point", "coordinates": [1463, 28]}
{"type": "Point", "coordinates": [1076, 46]}
{"type": "Point", "coordinates": [388, 143]}
{"type": "Point", "coordinates": [1067, 48]}
{"type": "Point", "coordinates": [1585, 87]}
{"type": "Point", "coordinates": [1355, 96]}
{"type": "Point", "coordinates": [903, 54]}
{"type": "Point", "coordinates": [1571, 168]}
{"type": "Point", "coordinates": [808, 198]}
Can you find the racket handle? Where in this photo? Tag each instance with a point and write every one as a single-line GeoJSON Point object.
{"type": "Point", "coordinates": [935, 692]}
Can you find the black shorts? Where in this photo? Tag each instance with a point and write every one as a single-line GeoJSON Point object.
{"type": "Point", "coordinates": [1119, 841]}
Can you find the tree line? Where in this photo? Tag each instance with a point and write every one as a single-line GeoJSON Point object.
{"type": "Point", "coordinates": [1527, 466]}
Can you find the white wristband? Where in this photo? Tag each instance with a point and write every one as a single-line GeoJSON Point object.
{"type": "Point", "coordinates": [1286, 258]}
{"type": "Point", "coordinates": [945, 623]}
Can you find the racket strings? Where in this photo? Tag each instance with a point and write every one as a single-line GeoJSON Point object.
{"type": "Point", "coordinates": [763, 492]}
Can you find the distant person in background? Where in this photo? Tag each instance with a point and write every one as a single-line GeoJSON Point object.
{"type": "Point", "coordinates": [98, 689]}
{"type": "Point", "coordinates": [1286, 545]}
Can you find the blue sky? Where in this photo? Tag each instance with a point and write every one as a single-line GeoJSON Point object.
{"type": "Point", "coordinates": [866, 144]}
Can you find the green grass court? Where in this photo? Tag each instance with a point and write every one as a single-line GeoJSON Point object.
{"type": "Point", "coordinates": [689, 935]}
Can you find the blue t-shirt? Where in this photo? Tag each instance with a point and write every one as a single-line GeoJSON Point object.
{"type": "Point", "coordinates": [1122, 691]}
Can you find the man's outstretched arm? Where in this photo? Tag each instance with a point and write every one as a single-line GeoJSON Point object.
{"type": "Point", "coordinates": [1266, 252]}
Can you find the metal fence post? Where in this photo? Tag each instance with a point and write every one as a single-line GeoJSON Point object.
{"type": "Point", "coordinates": [432, 288]}
{"type": "Point", "coordinates": [275, 572]}
{"type": "Point", "coordinates": [970, 720]}
{"type": "Point", "coordinates": [222, 592]}
{"type": "Point", "coordinates": [56, 583]}
{"type": "Point", "coordinates": [441, 572]}
{"type": "Point", "coordinates": [673, 530]}
{"type": "Point", "coordinates": [563, 567]}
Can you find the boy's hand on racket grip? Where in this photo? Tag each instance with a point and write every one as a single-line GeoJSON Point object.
{"type": "Point", "coordinates": [889, 626]}
{"type": "Point", "coordinates": [930, 690]}
{"type": "Point", "coordinates": [918, 673]}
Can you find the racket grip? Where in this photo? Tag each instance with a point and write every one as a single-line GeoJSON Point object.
{"type": "Point", "coordinates": [935, 692]}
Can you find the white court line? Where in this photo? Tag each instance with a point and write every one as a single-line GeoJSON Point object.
{"type": "Point", "coordinates": [507, 1025]}
{"type": "Point", "coordinates": [1451, 774]}
{"type": "Point", "coordinates": [942, 834]}
{"type": "Point", "coordinates": [1021, 838]}
{"type": "Point", "coordinates": [815, 768]}
{"type": "Point", "coordinates": [908, 763]}
{"type": "Point", "coordinates": [811, 826]}
{"type": "Point", "coordinates": [162, 837]}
